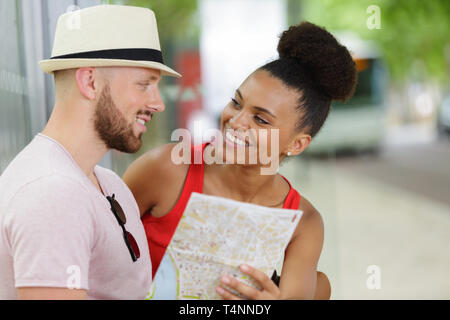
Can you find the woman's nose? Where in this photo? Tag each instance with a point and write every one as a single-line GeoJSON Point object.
{"type": "Point", "coordinates": [239, 121]}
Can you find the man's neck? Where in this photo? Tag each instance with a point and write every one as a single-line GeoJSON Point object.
{"type": "Point", "coordinates": [79, 138]}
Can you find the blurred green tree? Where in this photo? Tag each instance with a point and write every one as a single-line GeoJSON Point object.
{"type": "Point", "coordinates": [177, 29]}
{"type": "Point", "coordinates": [411, 30]}
{"type": "Point", "coordinates": [175, 22]}
{"type": "Point", "coordinates": [174, 17]}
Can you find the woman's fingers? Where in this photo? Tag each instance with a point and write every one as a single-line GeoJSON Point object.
{"type": "Point", "coordinates": [226, 295]}
{"type": "Point", "coordinates": [269, 290]}
{"type": "Point", "coordinates": [261, 277]}
{"type": "Point", "coordinates": [242, 288]}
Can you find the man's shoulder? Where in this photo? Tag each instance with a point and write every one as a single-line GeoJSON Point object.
{"type": "Point", "coordinates": [50, 198]}
{"type": "Point", "coordinates": [36, 171]}
{"type": "Point", "coordinates": [40, 159]}
{"type": "Point", "coordinates": [47, 187]}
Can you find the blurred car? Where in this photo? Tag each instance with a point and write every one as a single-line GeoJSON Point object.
{"type": "Point", "coordinates": [358, 124]}
{"type": "Point", "coordinates": [444, 116]}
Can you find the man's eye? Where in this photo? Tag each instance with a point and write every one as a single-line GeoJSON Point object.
{"type": "Point", "coordinates": [143, 84]}
{"type": "Point", "coordinates": [260, 120]}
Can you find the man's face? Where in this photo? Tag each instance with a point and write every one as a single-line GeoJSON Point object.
{"type": "Point", "coordinates": [128, 100]}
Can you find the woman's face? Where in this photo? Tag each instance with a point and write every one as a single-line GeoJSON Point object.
{"type": "Point", "coordinates": [261, 107]}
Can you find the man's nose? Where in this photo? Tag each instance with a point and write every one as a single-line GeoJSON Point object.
{"type": "Point", "coordinates": [154, 101]}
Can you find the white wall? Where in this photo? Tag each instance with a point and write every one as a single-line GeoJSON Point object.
{"type": "Point", "coordinates": [236, 38]}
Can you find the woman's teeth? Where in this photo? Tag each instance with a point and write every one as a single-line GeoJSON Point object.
{"type": "Point", "coordinates": [235, 140]}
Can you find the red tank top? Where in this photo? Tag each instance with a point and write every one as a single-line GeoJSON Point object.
{"type": "Point", "coordinates": [159, 231]}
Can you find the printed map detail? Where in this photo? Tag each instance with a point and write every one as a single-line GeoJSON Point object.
{"type": "Point", "coordinates": [216, 235]}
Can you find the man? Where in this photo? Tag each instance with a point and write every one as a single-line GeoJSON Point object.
{"type": "Point", "coordinates": [71, 229]}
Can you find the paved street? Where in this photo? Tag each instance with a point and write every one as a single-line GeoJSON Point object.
{"type": "Point", "coordinates": [390, 210]}
{"type": "Point", "coordinates": [422, 168]}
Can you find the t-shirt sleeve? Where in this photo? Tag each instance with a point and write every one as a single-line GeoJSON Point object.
{"type": "Point", "coordinates": [50, 229]}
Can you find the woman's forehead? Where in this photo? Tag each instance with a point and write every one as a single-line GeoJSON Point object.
{"type": "Point", "coordinates": [264, 90]}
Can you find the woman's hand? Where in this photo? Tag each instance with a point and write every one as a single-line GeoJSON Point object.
{"type": "Point", "coordinates": [269, 290]}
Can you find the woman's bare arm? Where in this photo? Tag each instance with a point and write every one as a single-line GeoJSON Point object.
{"type": "Point", "coordinates": [299, 274]}
{"type": "Point", "coordinates": [153, 179]}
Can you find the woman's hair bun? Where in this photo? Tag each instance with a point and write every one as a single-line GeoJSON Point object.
{"type": "Point", "coordinates": [329, 63]}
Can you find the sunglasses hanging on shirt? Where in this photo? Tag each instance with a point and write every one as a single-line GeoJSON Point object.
{"type": "Point", "coordinates": [122, 220]}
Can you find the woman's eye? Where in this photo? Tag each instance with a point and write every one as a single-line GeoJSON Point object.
{"type": "Point", "coordinates": [235, 103]}
{"type": "Point", "coordinates": [261, 120]}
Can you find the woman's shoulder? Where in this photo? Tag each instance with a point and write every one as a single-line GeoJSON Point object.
{"type": "Point", "coordinates": [154, 165]}
{"type": "Point", "coordinates": [161, 154]}
{"type": "Point", "coordinates": [311, 218]}
{"type": "Point", "coordinates": [154, 178]}
{"type": "Point", "coordinates": [307, 207]}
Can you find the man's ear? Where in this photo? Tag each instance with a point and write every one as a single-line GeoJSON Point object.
{"type": "Point", "coordinates": [88, 82]}
{"type": "Point", "coordinates": [300, 143]}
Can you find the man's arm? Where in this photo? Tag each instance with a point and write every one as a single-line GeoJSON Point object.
{"type": "Point", "coordinates": [38, 293]}
{"type": "Point", "coordinates": [50, 230]}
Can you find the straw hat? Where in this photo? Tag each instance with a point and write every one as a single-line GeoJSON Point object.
{"type": "Point", "coordinates": [107, 36]}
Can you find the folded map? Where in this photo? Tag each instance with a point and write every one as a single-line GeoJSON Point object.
{"type": "Point", "coordinates": [214, 237]}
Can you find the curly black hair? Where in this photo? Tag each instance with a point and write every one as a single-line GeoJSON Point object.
{"type": "Point", "coordinates": [314, 63]}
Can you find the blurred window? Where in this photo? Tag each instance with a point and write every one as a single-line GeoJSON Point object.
{"type": "Point", "coordinates": [14, 111]}
{"type": "Point", "coordinates": [367, 92]}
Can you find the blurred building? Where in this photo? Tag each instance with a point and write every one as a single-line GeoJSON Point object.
{"type": "Point", "coordinates": [27, 93]}
{"type": "Point", "coordinates": [234, 42]}
{"type": "Point", "coordinates": [391, 210]}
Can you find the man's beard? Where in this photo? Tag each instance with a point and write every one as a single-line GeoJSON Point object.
{"type": "Point", "coordinates": [112, 127]}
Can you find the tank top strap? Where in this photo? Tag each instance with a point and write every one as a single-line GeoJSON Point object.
{"type": "Point", "coordinates": [292, 200]}
{"type": "Point", "coordinates": [159, 231]}
{"type": "Point", "coordinates": [194, 178]}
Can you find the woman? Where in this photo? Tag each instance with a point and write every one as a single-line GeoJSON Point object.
{"type": "Point", "coordinates": [293, 95]}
